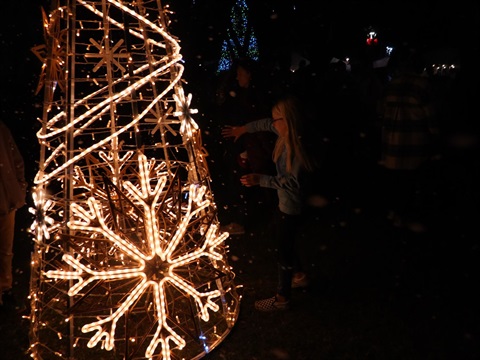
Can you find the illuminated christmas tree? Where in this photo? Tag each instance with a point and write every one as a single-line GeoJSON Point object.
{"type": "Point", "coordinates": [128, 262]}
{"type": "Point", "coordinates": [241, 41]}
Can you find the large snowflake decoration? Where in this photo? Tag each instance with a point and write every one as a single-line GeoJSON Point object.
{"type": "Point", "coordinates": [152, 260]}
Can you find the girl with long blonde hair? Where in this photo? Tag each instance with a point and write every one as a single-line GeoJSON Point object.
{"type": "Point", "coordinates": [291, 161]}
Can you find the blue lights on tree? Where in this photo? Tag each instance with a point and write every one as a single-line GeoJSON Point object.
{"type": "Point", "coordinates": [241, 40]}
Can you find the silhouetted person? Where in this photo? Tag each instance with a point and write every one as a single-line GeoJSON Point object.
{"type": "Point", "coordinates": [12, 197]}
{"type": "Point", "coordinates": [409, 135]}
{"type": "Point", "coordinates": [241, 102]}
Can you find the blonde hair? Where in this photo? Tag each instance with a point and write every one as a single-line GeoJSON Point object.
{"type": "Point", "coordinates": [294, 116]}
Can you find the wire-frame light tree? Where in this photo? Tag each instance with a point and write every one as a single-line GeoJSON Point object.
{"type": "Point", "coordinates": [128, 261]}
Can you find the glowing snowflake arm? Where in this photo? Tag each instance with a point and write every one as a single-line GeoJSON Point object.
{"type": "Point", "coordinates": [109, 160]}
{"type": "Point", "coordinates": [83, 221]}
{"type": "Point", "coordinates": [211, 241]}
{"type": "Point", "coordinates": [95, 275]}
{"type": "Point", "coordinates": [146, 191]}
{"type": "Point", "coordinates": [141, 196]}
{"type": "Point", "coordinates": [196, 194]}
{"type": "Point", "coordinates": [203, 304]}
{"type": "Point", "coordinates": [108, 332]}
{"type": "Point", "coordinates": [171, 334]}
{"type": "Point", "coordinates": [203, 300]}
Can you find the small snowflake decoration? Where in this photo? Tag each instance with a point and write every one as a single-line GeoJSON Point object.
{"type": "Point", "coordinates": [43, 225]}
{"type": "Point", "coordinates": [184, 112]}
{"type": "Point", "coordinates": [54, 40]}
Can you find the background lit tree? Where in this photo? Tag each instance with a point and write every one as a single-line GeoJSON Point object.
{"type": "Point", "coordinates": [241, 41]}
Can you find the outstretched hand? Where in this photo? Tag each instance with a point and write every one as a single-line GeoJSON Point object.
{"type": "Point", "coordinates": [233, 131]}
{"type": "Point", "coordinates": [250, 180]}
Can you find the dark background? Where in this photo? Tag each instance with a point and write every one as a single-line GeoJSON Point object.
{"type": "Point", "coordinates": [378, 292]}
